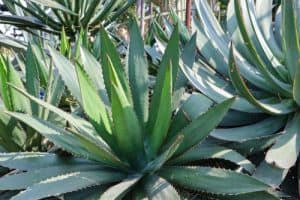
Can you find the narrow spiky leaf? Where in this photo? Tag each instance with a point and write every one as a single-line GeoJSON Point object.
{"type": "Point", "coordinates": [161, 111]}
{"type": "Point", "coordinates": [128, 132]}
{"type": "Point", "coordinates": [3, 83]}
{"type": "Point", "coordinates": [71, 142]}
{"type": "Point", "coordinates": [138, 73]}
{"type": "Point", "coordinates": [68, 73]}
{"type": "Point", "coordinates": [289, 36]}
{"type": "Point", "coordinates": [108, 50]}
{"type": "Point", "coordinates": [200, 128]}
{"type": "Point", "coordinates": [93, 69]}
{"type": "Point", "coordinates": [64, 44]}
{"type": "Point", "coordinates": [32, 78]}
{"type": "Point", "coordinates": [15, 101]}
{"type": "Point", "coordinates": [93, 105]}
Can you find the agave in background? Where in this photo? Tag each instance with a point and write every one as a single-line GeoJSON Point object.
{"type": "Point", "coordinates": [37, 78]}
{"type": "Point", "coordinates": [128, 148]}
{"type": "Point", "coordinates": [54, 15]}
{"type": "Point", "coordinates": [257, 58]}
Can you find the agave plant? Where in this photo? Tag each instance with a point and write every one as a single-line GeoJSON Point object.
{"type": "Point", "coordinates": [257, 58]}
{"type": "Point", "coordinates": [52, 16]}
{"type": "Point", "coordinates": [126, 147]}
{"type": "Point", "coordinates": [39, 80]}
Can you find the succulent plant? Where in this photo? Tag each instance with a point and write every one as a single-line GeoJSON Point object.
{"type": "Point", "coordinates": [256, 57]}
{"type": "Point", "coordinates": [36, 77]}
{"type": "Point", "coordinates": [127, 145]}
{"type": "Point", "coordinates": [52, 16]}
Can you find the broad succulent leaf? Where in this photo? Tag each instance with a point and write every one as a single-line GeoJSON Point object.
{"type": "Point", "coordinates": [254, 195]}
{"type": "Point", "coordinates": [158, 188]}
{"type": "Point", "coordinates": [201, 179]}
{"type": "Point", "coordinates": [212, 151]}
{"type": "Point", "coordinates": [90, 193]}
{"type": "Point", "coordinates": [239, 134]}
{"type": "Point", "coordinates": [285, 106]}
{"type": "Point", "coordinates": [12, 182]}
{"type": "Point", "coordinates": [67, 183]}
{"type": "Point", "coordinates": [288, 143]}
{"type": "Point", "coordinates": [118, 191]}
{"type": "Point", "coordinates": [270, 174]}
{"type": "Point", "coordinates": [30, 160]}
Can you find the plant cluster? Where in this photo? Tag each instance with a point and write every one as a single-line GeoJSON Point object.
{"type": "Point", "coordinates": [213, 115]}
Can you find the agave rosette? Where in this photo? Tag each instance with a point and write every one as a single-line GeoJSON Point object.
{"type": "Point", "coordinates": [54, 15]}
{"type": "Point", "coordinates": [128, 147]}
{"type": "Point", "coordinates": [36, 77]}
{"type": "Point", "coordinates": [255, 57]}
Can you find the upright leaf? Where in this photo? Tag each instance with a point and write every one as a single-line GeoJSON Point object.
{"type": "Point", "coordinates": [15, 100]}
{"type": "Point", "coordinates": [93, 69]}
{"type": "Point", "coordinates": [64, 44]}
{"type": "Point", "coordinates": [4, 90]}
{"type": "Point", "coordinates": [138, 73]}
{"type": "Point", "coordinates": [32, 78]}
{"type": "Point", "coordinates": [93, 105]}
{"type": "Point", "coordinates": [108, 51]}
{"type": "Point", "coordinates": [68, 73]}
{"type": "Point", "coordinates": [289, 36]}
{"type": "Point", "coordinates": [128, 132]}
{"type": "Point", "coordinates": [161, 111]}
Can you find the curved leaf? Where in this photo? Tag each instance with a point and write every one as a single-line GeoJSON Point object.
{"type": "Point", "coordinates": [68, 183]}
{"type": "Point", "coordinates": [210, 151]}
{"type": "Point", "coordinates": [119, 190]}
{"type": "Point", "coordinates": [213, 180]}
{"type": "Point", "coordinates": [159, 189]}
{"type": "Point", "coordinates": [286, 106]}
{"type": "Point", "coordinates": [285, 152]}
{"type": "Point", "coordinates": [240, 134]}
